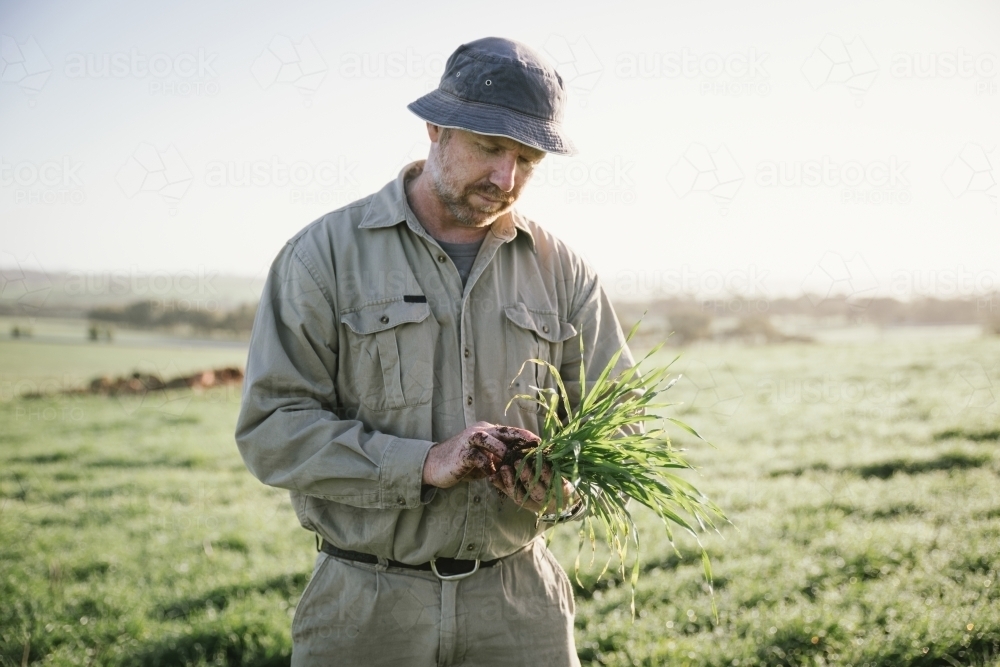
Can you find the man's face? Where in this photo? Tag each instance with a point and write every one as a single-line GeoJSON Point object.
{"type": "Point", "coordinates": [479, 177]}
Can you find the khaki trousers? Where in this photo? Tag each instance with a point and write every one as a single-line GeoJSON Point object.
{"type": "Point", "coordinates": [518, 612]}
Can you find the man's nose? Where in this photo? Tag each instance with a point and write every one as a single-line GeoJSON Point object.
{"type": "Point", "coordinates": [504, 173]}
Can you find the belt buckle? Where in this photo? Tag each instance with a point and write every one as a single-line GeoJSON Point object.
{"type": "Point", "coordinates": [453, 577]}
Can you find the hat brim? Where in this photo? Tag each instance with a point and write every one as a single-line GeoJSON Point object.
{"type": "Point", "coordinates": [440, 108]}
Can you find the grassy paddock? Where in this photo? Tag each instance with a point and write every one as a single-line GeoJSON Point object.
{"type": "Point", "coordinates": [28, 366]}
{"type": "Point", "coordinates": [862, 480]}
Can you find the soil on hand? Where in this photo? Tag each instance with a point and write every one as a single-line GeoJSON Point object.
{"type": "Point", "coordinates": [517, 446]}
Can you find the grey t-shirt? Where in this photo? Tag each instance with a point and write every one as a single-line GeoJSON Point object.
{"type": "Point", "coordinates": [463, 254]}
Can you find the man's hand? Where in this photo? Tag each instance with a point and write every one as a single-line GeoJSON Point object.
{"type": "Point", "coordinates": [478, 452]}
{"type": "Point", "coordinates": [531, 496]}
{"type": "Point", "coordinates": [474, 453]}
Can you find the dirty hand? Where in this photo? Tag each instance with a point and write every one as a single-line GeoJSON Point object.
{"type": "Point", "coordinates": [531, 496]}
{"type": "Point", "coordinates": [474, 453]}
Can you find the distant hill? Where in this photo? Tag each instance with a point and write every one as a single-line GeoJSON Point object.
{"type": "Point", "coordinates": [780, 320]}
{"type": "Point", "coordinates": [207, 300]}
{"type": "Point", "coordinates": [75, 293]}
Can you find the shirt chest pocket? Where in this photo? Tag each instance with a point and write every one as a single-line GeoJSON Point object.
{"type": "Point", "coordinates": [532, 334]}
{"type": "Point", "coordinates": [391, 349]}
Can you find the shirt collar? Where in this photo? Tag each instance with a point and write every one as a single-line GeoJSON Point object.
{"type": "Point", "coordinates": [388, 207]}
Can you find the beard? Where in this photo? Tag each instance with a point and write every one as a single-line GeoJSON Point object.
{"type": "Point", "coordinates": [457, 200]}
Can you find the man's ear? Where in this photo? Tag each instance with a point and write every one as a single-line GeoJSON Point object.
{"type": "Point", "coordinates": [433, 132]}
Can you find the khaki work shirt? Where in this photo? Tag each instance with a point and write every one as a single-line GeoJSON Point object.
{"type": "Point", "coordinates": [367, 350]}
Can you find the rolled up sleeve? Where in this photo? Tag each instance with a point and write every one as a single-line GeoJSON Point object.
{"type": "Point", "coordinates": [288, 431]}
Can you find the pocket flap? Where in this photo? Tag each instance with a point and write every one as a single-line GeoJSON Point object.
{"type": "Point", "coordinates": [545, 324]}
{"type": "Point", "coordinates": [376, 317]}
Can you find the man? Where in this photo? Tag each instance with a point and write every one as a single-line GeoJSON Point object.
{"type": "Point", "coordinates": [389, 340]}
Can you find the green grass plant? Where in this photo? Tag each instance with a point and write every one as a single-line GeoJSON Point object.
{"type": "Point", "coordinates": [602, 446]}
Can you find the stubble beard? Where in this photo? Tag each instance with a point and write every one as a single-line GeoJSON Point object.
{"type": "Point", "coordinates": [457, 201]}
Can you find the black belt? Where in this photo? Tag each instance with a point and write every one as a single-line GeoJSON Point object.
{"type": "Point", "coordinates": [444, 568]}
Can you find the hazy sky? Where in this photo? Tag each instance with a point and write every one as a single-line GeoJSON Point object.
{"type": "Point", "coordinates": [724, 146]}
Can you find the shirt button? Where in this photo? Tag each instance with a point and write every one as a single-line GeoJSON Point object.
{"type": "Point", "coordinates": [467, 353]}
{"type": "Point", "coordinates": [545, 328]}
{"type": "Point", "coordinates": [401, 500]}
{"type": "Point", "coordinates": [441, 258]}
{"type": "Point", "coordinates": [469, 400]}
{"type": "Point", "coordinates": [384, 319]}
{"type": "Point", "coordinates": [471, 547]}
{"type": "Point", "coordinates": [476, 500]}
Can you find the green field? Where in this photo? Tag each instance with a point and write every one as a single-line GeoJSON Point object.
{"type": "Point", "coordinates": [862, 479]}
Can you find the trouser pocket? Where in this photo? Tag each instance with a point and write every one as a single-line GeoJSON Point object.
{"type": "Point", "coordinates": [301, 609]}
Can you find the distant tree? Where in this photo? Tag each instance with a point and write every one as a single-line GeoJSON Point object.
{"type": "Point", "coordinates": [157, 315]}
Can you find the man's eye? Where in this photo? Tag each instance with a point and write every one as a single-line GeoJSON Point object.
{"type": "Point", "coordinates": [492, 150]}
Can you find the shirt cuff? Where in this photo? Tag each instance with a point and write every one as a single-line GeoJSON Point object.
{"type": "Point", "coordinates": [569, 514]}
{"type": "Point", "coordinates": [401, 474]}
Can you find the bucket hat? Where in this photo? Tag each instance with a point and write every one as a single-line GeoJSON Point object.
{"type": "Point", "coordinates": [500, 87]}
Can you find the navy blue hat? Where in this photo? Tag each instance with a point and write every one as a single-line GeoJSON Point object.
{"type": "Point", "coordinates": [503, 88]}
